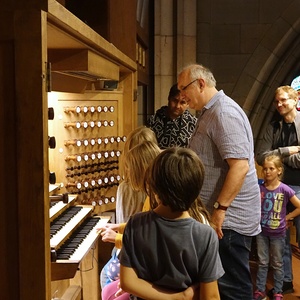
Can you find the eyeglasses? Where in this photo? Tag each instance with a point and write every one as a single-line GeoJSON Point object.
{"type": "Point", "coordinates": [282, 101]}
{"type": "Point", "coordinates": [185, 87]}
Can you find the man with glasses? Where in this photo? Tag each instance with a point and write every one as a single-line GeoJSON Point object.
{"type": "Point", "coordinates": [224, 142]}
{"type": "Point", "coordinates": [173, 124]}
{"type": "Point", "coordinates": [283, 138]}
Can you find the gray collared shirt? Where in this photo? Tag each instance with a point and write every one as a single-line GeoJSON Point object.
{"type": "Point", "coordinates": [222, 132]}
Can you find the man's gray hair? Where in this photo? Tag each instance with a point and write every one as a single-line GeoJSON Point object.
{"type": "Point", "coordinates": [199, 71]}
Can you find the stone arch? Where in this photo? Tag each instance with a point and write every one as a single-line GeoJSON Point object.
{"type": "Point", "coordinates": [275, 62]}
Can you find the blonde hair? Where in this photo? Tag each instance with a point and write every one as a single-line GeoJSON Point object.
{"type": "Point", "coordinates": [137, 161]}
{"type": "Point", "coordinates": [276, 160]}
{"type": "Point", "coordinates": [293, 94]}
{"type": "Point", "coordinates": [199, 212]}
{"type": "Point", "coordinates": [135, 137]}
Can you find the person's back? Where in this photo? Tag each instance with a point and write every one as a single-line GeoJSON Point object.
{"type": "Point", "coordinates": [129, 201]}
{"type": "Point", "coordinates": [165, 246]}
{"type": "Point", "coordinates": [169, 252]}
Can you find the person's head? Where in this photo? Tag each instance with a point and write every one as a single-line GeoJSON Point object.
{"type": "Point", "coordinates": [176, 104]}
{"type": "Point", "coordinates": [136, 162]}
{"type": "Point", "coordinates": [176, 178]}
{"type": "Point", "coordinates": [197, 85]}
{"type": "Point", "coordinates": [272, 168]}
{"type": "Point", "coordinates": [135, 137]}
{"type": "Point", "coordinates": [286, 99]}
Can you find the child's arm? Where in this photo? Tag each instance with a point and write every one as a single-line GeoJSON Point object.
{"type": "Point", "coordinates": [296, 212]}
{"type": "Point", "coordinates": [110, 236]}
{"type": "Point", "coordinates": [293, 214]}
{"type": "Point", "coordinates": [116, 227]}
{"type": "Point", "coordinates": [118, 240]}
{"type": "Point", "coordinates": [119, 236]}
{"type": "Point", "coordinates": [130, 283]}
{"type": "Point", "coordinates": [121, 227]}
{"type": "Point", "coordinates": [209, 291]}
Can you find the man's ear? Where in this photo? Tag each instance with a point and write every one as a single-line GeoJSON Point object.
{"type": "Point", "coordinates": [201, 83]}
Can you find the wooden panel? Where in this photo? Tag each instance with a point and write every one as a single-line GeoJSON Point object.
{"type": "Point", "coordinates": [83, 61]}
{"type": "Point", "coordinates": [92, 12]}
{"type": "Point", "coordinates": [122, 25]}
{"type": "Point", "coordinates": [69, 84]}
{"type": "Point", "coordinates": [88, 276]}
{"type": "Point", "coordinates": [72, 293]}
{"type": "Point", "coordinates": [72, 30]}
{"type": "Point", "coordinates": [61, 271]}
{"type": "Point", "coordinates": [130, 105]}
{"type": "Point", "coordinates": [32, 154]}
{"type": "Point", "coordinates": [114, 20]}
{"type": "Point", "coordinates": [9, 260]}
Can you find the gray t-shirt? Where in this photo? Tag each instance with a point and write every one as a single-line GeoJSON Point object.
{"type": "Point", "coordinates": [173, 254]}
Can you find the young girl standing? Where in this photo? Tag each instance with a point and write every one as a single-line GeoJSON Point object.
{"type": "Point", "coordinates": [275, 196]}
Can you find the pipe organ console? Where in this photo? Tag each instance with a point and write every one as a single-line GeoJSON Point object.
{"type": "Point", "coordinates": [85, 145]}
{"type": "Point", "coordinates": [74, 95]}
{"type": "Point", "coordinates": [73, 232]}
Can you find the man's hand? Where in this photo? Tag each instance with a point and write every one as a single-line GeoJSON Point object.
{"type": "Point", "coordinates": [217, 219]}
{"type": "Point", "coordinates": [294, 149]}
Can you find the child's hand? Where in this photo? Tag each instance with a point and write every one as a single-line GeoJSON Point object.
{"type": "Point", "coordinates": [289, 222]}
{"type": "Point", "coordinates": [108, 235]}
{"type": "Point", "coordinates": [119, 291]}
{"type": "Point", "coordinates": [114, 227]}
{"type": "Point", "coordinates": [191, 292]}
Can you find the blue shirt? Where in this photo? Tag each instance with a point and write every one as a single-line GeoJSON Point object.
{"type": "Point", "coordinates": [222, 132]}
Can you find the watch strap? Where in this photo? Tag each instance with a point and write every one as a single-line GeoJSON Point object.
{"type": "Point", "coordinates": [219, 206]}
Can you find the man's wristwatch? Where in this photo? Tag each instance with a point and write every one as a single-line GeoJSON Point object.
{"type": "Point", "coordinates": [217, 205]}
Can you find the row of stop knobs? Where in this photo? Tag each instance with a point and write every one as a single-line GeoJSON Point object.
{"type": "Point", "coordinates": [88, 109]}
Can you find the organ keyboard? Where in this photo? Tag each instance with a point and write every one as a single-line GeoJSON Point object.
{"type": "Point", "coordinates": [72, 234]}
{"type": "Point", "coordinates": [75, 248]}
{"type": "Point", "coordinates": [66, 223]}
{"type": "Point", "coordinates": [57, 207]}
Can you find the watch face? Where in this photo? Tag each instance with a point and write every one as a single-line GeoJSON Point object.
{"type": "Point", "coordinates": [217, 205]}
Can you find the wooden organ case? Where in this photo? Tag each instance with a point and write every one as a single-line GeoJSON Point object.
{"type": "Point", "coordinates": [91, 109]}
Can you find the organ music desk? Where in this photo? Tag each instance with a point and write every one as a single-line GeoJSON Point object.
{"type": "Point", "coordinates": [74, 242]}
